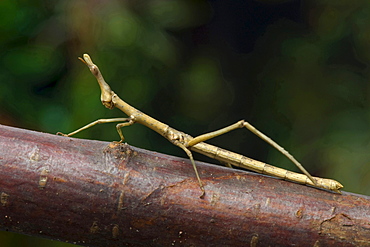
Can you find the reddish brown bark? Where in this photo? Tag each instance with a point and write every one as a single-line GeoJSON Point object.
{"type": "Point", "coordinates": [100, 194]}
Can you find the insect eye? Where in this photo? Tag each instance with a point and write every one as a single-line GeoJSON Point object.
{"type": "Point", "coordinates": [94, 70]}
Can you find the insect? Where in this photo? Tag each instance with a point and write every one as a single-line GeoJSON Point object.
{"type": "Point", "coordinates": [197, 144]}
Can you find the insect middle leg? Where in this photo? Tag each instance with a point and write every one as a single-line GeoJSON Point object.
{"type": "Point", "coordinates": [242, 124]}
{"type": "Point", "coordinates": [190, 155]}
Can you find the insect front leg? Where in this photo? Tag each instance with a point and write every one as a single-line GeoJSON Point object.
{"type": "Point", "coordinates": [120, 125]}
{"type": "Point", "coordinates": [99, 121]}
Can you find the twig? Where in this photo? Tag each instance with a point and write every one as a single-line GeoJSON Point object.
{"type": "Point", "coordinates": [100, 194]}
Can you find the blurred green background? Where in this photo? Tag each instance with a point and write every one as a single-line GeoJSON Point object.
{"type": "Point", "coordinates": [297, 70]}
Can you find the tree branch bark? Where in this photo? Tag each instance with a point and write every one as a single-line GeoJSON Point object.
{"type": "Point", "coordinates": [103, 194]}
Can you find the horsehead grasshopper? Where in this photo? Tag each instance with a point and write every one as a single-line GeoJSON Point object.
{"type": "Point", "coordinates": [186, 142]}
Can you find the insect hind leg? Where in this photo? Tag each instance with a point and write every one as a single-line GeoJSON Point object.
{"type": "Point", "coordinates": [242, 124]}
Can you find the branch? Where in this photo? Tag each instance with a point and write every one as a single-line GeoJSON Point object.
{"type": "Point", "coordinates": [103, 194]}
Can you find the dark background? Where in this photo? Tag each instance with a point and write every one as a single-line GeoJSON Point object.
{"type": "Point", "coordinates": [297, 70]}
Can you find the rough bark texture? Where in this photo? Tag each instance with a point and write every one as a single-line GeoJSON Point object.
{"type": "Point", "coordinates": [102, 194]}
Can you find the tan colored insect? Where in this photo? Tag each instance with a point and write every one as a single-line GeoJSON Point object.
{"type": "Point", "coordinates": [197, 144]}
